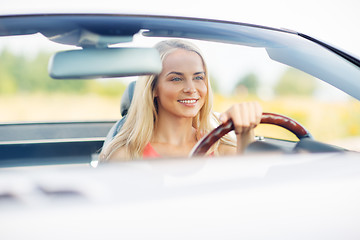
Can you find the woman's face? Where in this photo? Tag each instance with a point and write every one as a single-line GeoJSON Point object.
{"type": "Point", "coordinates": [181, 88]}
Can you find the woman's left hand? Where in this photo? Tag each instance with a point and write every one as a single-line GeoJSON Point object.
{"type": "Point", "coordinates": [245, 116]}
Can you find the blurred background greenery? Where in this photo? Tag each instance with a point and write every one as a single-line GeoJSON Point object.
{"type": "Point", "coordinates": [34, 78]}
{"type": "Point", "coordinates": [31, 95]}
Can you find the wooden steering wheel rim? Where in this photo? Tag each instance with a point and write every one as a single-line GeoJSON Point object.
{"type": "Point", "coordinates": [206, 142]}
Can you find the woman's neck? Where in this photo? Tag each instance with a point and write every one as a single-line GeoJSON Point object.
{"type": "Point", "coordinates": [174, 130]}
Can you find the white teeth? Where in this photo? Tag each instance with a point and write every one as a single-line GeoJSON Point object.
{"type": "Point", "coordinates": [187, 101]}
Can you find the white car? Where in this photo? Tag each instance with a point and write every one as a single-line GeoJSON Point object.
{"type": "Point", "coordinates": [305, 188]}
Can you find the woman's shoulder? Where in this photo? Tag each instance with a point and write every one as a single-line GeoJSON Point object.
{"type": "Point", "coordinates": [118, 155]}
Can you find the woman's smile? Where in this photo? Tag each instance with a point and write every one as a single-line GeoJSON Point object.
{"type": "Point", "coordinates": [188, 102]}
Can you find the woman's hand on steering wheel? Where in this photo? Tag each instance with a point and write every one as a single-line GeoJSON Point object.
{"type": "Point", "coordinates": [245, 117]}
{"type": "Point", "coordinates": [267, 118]}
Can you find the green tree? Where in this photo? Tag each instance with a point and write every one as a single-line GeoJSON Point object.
{"type": "Point", "coordinates": [7, 80]}
{"type": "Point", "coordinates": [110, 87]}
{"type": "Point", "coordinates": [249, 83]}
{"type": "Point", "coordinates": [214, 84]}
{"type": "Point", "coordinates": [21, 74]}
{"type": "Point", "coordinates": [295, 82]}
{"type": "Point", "coordinates": [7, 83]}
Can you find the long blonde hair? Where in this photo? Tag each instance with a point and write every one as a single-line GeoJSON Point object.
{"type": "Point", "coordinates": [138, 128]}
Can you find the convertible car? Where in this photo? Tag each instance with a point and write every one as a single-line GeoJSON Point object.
{"type": "Point", "coordinates": [66, 82]}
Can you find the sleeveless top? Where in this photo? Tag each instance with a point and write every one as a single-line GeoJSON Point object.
{"type": "Point", "coordinates": [149, 152]}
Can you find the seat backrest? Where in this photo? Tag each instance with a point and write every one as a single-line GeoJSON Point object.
{"type": "Point", "coordinates": [127, 98]}
{"type": "Point", "coordinates": [124, 107]}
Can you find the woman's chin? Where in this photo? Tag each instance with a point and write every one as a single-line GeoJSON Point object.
{"type": "Point", "coordinates": [189, 114]}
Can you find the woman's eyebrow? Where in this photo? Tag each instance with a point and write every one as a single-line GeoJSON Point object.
{"type": "Point", "coordinates": [177, 73]}
{"type": "Point", "coordinates": [197, 73]}
{"type": "Point", "coordinates": [181, 74]}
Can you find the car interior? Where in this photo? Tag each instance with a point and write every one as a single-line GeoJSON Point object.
{"type": "Point", "coordinates": [27, 144]}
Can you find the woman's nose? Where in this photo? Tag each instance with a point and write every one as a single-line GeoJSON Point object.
{"type": "Point", "coordinates": [189, 87]}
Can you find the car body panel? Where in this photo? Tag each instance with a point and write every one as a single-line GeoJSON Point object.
{"type": "Point", "coordinates": [291, 196]}
{"type": "Point", "coordinates": [27, 144]}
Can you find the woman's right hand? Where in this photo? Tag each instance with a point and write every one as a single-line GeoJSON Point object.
{"type": "Point", "coordinates": [245, 116]}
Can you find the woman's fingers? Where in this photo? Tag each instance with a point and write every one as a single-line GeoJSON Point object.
{"type": "Point", "coordinates": [223, 117]}
{"type": "Point", "coordinates": [258, 112]}
{"type": "Point", "coordinates": [238, 116]}
{"type": "Point", "coordinates": [245, 116]}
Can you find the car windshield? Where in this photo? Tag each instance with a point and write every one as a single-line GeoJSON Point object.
{"type": "Point", "coordinates": [239, 71]}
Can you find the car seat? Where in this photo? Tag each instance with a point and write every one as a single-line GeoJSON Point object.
{"type": "Point", "coordinates": [124, 107]}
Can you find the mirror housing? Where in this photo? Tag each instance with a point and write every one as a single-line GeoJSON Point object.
{"type": "Point", "coordinates": [104, 62]}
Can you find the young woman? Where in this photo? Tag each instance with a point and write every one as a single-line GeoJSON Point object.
{"type": "Point", "coordinates": [170, 112]}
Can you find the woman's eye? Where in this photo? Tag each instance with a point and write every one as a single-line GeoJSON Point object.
{"type": "Point", "coordinates": [199, 78]}
{"type": "Point", "coordinates": [176, 79]}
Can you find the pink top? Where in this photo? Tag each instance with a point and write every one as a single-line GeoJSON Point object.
{"type": "Point", "coordinates": [149, 152]}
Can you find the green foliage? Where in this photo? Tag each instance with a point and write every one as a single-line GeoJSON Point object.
{"type": "Point", "coordinates": [110, 88]}
{"type": "Point", "coordinates": [7, 83]}
{"type": "Point", "coordinates": [249, 84]}
{"type": "Point", "coordinates": [295, 82]}
{"type": "Point", "coordinates": [214, 84]}
{"type": "Point", "coordinates": [21, 74]}
{"type": "Point", "coordinates": [7, 79]}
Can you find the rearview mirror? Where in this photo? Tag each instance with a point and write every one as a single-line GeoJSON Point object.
{"type": "Point", "coordinates": [107, 62]}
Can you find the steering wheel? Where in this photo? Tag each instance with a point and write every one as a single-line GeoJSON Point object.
{"type": "Point", "coordinates": [267, 118]}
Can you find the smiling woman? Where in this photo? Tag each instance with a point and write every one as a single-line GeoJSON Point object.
{"type": "Point", "coordinates": [173, 110]}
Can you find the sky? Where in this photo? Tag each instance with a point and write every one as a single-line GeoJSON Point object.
{"type": "Point", "coordinates": [336, 22]}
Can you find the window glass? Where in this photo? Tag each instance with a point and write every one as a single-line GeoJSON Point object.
{"type": "Point", "coordinates": [237, 73]}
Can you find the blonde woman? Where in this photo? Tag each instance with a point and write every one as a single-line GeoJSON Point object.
{"type": "Point", "coordinates": [170, 112]}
